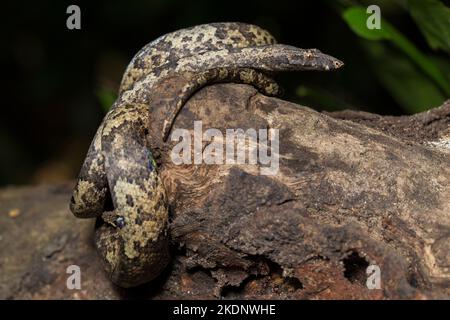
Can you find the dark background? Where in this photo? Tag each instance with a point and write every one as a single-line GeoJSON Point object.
{"type": "Point", "coordinates": [57, 81]}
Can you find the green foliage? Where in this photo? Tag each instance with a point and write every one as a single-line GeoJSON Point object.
{"type": "Point", "coordinates": [106, 98]}
{"type": "Point", "coordinates": [413, 79]}
{"type": "Point", "coordinates": [321, 98]}
{"type": "Point", "coordinates": [433, 19]}
{"type": "Point", "coordinates": [403, 79]}
{"type": "Point", "coordinates": [356, 18]}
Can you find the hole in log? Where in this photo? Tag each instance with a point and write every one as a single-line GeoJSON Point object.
{"type": "Point", "coordinates": [355, 268]}
{"type": "Point", "coordinates": [273, 281]}
{"type": "Point", "coordinates": [294, 283]}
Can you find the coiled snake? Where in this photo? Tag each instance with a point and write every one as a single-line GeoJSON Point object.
{"type": "Point", "coordinates": [132, 237]}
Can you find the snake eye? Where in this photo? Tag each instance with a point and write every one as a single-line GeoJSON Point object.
{"type": "Point", "coordinates": [120, 222]}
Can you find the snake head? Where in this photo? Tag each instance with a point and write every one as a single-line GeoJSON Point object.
{"type": "Point", "coordinates": [132, 239]}
{"type": "Point", "coordinates": [314, 59]}
{"type": "Point", "coordinates": [130, 256]}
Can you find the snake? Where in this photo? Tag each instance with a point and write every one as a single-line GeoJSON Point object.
{"type": "Point", "coordinates": [118, 183]}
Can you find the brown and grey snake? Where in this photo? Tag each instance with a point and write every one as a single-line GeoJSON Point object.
{"type": "Point", "coordinates": [132, 236]}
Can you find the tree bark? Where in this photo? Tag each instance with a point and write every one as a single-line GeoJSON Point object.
{"type": "Point", "coordinates": [352, 190]}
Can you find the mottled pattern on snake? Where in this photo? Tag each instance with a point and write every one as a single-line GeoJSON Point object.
{"type": "Point", "coordinates": [132, 236]}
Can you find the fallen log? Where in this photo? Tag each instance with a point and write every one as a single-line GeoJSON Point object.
{"type": "Point", "coordinates": [352, 190]}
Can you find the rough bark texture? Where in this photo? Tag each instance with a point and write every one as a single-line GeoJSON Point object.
{"type": "Point", "coordinates": [353, 189]}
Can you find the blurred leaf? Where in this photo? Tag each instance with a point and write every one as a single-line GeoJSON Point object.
{"type": "Point", "coordinates": [106, 98]}
{"type": "Point", "coordinates": [433, 19]}
{"type": "Point", "coordinates": [356, 19]}
{"type": "Point", "coordinates": [321, 98]}
{"type": "Point", "coordinates": [403, 80]}
{"type": "Point", "coordinates": [443, 64]}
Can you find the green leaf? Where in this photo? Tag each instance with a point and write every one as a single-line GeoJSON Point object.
{"type": "Point", "coordinates": [443, 64]}
{"type": "Point", "coordinates": [356, 18]}
{"type": "Point", "coordinates": [403, 80]}
{"type": "Point", "coordinates": [321, 98]}
{"type": "Point", "coordinates": [433, 19]}
{"type": "Point", "coordinates": [106, 98]}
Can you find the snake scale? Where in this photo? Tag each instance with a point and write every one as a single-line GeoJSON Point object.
{"type": "Point", "coordinates": [131, 235]}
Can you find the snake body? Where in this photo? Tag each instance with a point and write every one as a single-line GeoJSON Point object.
{"type": "Point", "coordinates": [118, 182]}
